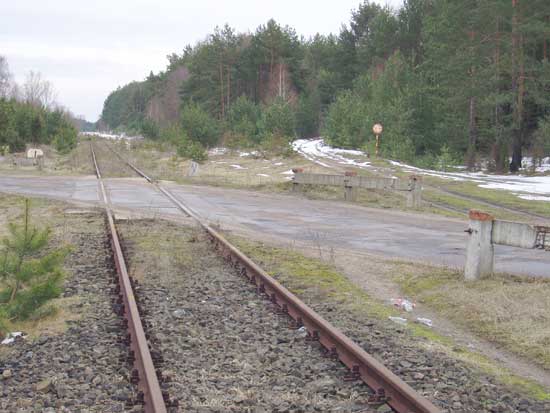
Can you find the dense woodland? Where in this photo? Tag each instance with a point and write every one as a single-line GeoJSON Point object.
{"type": "Point", "coordinates": [467, 80]}
{"type": "Point", "coordinates": [29, 114]}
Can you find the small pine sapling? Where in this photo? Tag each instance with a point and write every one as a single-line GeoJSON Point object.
{"type": "Point", "coordinates": [29, 276]}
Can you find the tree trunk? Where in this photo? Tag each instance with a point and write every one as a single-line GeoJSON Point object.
{"type": "Point", "coordinates": [221, 92]}
{"type": "Point", "coordinates": [472, 132]}
{"type": "Point", "coordinates": [518, 90]}
{"type": "Point", "coordinates": [499, 149]}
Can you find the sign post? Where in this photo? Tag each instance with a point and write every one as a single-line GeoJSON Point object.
{"type": "Point", "coordinates": [377, 129]}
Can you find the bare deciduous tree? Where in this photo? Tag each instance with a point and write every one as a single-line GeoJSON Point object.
{"type": "Point", "coordinates": [5, 78]}
{"type": "Point", "coordinates": [38, 91]}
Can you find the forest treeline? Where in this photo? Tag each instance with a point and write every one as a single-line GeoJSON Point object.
{"type": "Point", "coordinates": [29, 114]}
{"type": "Point", "coordinates": [467, 79]}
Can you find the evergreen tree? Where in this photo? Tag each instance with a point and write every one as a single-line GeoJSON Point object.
{"type": "Point", "coordinates": [30, 276]}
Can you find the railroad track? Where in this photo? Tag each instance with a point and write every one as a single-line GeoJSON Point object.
{"type": "Point", "coordinates": [386, 386]}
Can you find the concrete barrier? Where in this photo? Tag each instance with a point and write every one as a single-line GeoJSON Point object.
{"type": "Point", "coordinates": [351, 183]}
{"type": "Point", "coordinates": [485, 232]}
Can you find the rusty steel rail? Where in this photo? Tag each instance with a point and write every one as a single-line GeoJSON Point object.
{"type": "Point", "coordinates": [144, 372]}
{"type": "Point", "coordinates": [387, 386]}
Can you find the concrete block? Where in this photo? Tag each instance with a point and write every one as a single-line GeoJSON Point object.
{"type": "Point", "coordinates": [480, 253]}
{"type": "Point", "coordinates": [515, 234]}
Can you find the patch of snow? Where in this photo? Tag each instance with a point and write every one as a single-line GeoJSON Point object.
{"type": "Point", "coordinates": [112, 136]}
{"type": "Point", "coordinates": [313, 149]}
{"type": "Point", "coordinates": [237, 167]}
{"type": "Point", "coordinates": [267, 176]}
{"type": "Point", "coordinates": [217, 151]}
{"type": "Point", "coordinates": [519, 185]}
{"type": "Point", "coordinates": [534, 197]}
{"type": "Point", "coordinates": [525, 187]}
{"type": "Point", "coordinates": [253, 153]}
{"type": "Point", "coordinates": [289, 172]}
{"type": "Point", "coordinates": [543, 166]}
{"type": "Point", "coordinates": [278, 164]}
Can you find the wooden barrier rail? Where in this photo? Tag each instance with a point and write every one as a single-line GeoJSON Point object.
{"type": "Point", "coordinates": [351, 183]}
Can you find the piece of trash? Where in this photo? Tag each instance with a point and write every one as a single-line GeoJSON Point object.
{"type": "Point", "coordinates": [179, 313]}
{"type": "Point", "coordinates": [302, 332]}
{"type": "Point", "coordinates": [10, 338]}
{"type": "Point", "coordinates": [425, 321]}
{"type": "Point", "coordinates": [398, 320]}
{"type": "Point", "coordinates": [403, 304]}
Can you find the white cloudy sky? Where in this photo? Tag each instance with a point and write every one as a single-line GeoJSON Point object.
{"type": "Point", "coordinates": [88, 48]}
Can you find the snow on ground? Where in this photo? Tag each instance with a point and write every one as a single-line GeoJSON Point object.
{"type": "Point", "coordinates": [113, 136]}
{"type": "Point", "coordinates": [267, 176]}
{"type": "Point", "coordinates": [312, 149]}
{"type": "Point", "coordinates": [535, 188]}
{"type": "Point", "coordinates": [237, 167]}
{"type": "Point", "coordinates": [217, 151]}
{"type": "Point", "coordinates": [289, 172]}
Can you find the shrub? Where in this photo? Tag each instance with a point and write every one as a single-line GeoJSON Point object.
{"type": "Point", "coordinates": [30, 277]}
{"type": "Point", "coordinates": [278, 120]}
{"type": "Point", "coordinates": [199, 125]}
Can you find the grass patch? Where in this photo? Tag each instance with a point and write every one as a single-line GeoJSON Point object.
{"type": "Point", "coordinates": [494, 196]}
{"type": "Point", "coordinates": [511, 312]}
{"type": "Point", "coordinates": [315, 281]}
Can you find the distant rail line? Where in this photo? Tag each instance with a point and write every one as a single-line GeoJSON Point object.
{"type": "Point", "coordinates": [386, 386]}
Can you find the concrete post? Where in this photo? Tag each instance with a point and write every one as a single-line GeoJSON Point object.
{"type": "Point", "coordinates": [480, 251]}
{"type": "Point", "coordinates": [414, 197]}
{"type": "Point", "coordinates": [350, 193]}
{"type": "Point", "coordinates": [296, 187]}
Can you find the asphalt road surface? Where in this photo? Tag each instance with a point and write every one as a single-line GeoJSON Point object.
{"type": "Point", "coordinates": [409, 236]}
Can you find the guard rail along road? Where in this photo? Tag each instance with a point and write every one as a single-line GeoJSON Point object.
{"type": "Point", "coordinates": [351, 183]}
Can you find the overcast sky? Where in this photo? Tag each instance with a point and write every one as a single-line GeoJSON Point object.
{"type": "Point", "coordinates": [88, 48]}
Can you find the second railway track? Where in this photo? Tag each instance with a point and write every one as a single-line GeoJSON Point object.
{"type": "Point", "coordinates": [386, 386]}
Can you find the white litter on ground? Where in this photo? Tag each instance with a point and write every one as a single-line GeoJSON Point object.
{"type": "Point", "coordinates": [425, 321]}
{"type": "Point", "coordinates": [10, 338]}
{"type": "Point", "coordinates": [398, 320]}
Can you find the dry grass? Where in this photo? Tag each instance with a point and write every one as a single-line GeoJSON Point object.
{"type": "Point", "coordinates": [512, 312]}
{"type": "Point", "coordinates": [76, 162]}
{"type": "Point", "coordinates": [511, 306]}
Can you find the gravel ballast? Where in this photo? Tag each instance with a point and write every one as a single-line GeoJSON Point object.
{"type": "Point", "coordinates": [224, 348]}
{"type": "Point", "coordinates": [84, 368]}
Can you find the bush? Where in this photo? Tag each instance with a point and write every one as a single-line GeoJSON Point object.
{"type": "Point", "coordinates": [278, 120]}
{"type": "Point", "coordinates": [243, 119]}
{"type": "Point", "coordinates": [29, 276]}
{"type": "Point", "coordinates": [65, 140]}
{"type": "Point", "coordinates": [345, 125]}
{"type": "Point", "coordinates": [149, 129]}
{"type": "Point", "coordinates": [188, 149]}
{"type": "Point", "coordinates": [199, 126]}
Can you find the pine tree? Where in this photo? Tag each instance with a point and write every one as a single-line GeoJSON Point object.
{"type": "Point", "coordinates": [30, 276]}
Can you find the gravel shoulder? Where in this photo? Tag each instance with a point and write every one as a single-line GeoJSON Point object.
{"type": "Point", "coordinates": [74, 361]}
